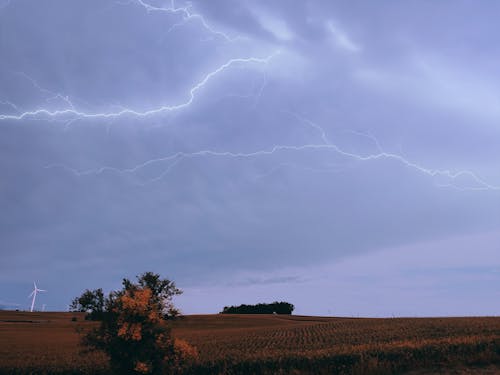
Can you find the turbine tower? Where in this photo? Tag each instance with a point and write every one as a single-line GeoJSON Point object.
{"type": "Point", "coordinates": [33, 293]}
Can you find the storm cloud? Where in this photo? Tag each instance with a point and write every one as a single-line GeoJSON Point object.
{"type": "Point", "coordinates": [243, 147]}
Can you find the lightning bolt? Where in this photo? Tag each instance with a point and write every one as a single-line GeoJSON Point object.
{"type": "Point", "coordinates": [187, 15]}
{"type": "Point", "coordinates": [255, 92]}
{"type": "Point", "coordinates": [10, 104]}
{"type": "Point", "coordinates": [52, 96]}
{"type": "Point", "coordinates": [481, 184]}
{"type": "Point", "coordinates": [174, 159]}
{"type": "Point", "coordinates": [73, 113]}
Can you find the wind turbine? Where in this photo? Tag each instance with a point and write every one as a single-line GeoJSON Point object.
{"type": "Point", "coordinates": [33, 293]}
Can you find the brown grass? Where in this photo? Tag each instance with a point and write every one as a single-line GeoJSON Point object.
{"type": "Point", "coordinates": [48, 343]}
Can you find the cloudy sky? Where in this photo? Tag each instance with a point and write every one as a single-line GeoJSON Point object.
{"type": "Point", "coordinates": [342, 156]}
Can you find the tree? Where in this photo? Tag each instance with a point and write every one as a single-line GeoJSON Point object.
{"type": "Point", "coordinates": [162, 292]}
{"type": "Point", "coordinates": [134, 330]}
{"type": "Point", "coordinates": [261, 308]}
{"type": "Point", "coordinates": [91, 302]}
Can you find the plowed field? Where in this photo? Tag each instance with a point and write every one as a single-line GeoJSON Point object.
{"type": "Point", "coordinates": [48, 343]}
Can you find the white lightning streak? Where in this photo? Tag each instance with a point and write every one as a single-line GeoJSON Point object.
{"type": "Point", "coordinates": [10, 104]}
{"type": "Point", "coordinates": [53, 95]}
{"type": "Point", "coordinates": [318, 128]}
{"type": "Point", "coordinates": [50, 95]}
{"type": "Point", "coordinates": [187, 15]}
{"type": "Point", "coordinates": [482, 184]}
{"type": "Point", "coordinates": [178, 156]}
{"type": "Point", "coordinates": [76, 114]}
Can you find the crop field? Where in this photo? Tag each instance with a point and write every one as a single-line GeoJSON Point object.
{"type": "Point", "coordinates": [270, 344]}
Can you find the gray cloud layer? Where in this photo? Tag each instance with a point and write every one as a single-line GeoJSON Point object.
{"type": "Point", "coordinates": [370, 126]}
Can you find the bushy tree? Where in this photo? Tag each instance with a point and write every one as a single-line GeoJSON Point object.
{"type": "Point", "coordinates": [163, 290]}
{"type": "Point", "coordinates": [91, 302]}
{"type": "Point", "coordinates": [134, 330]}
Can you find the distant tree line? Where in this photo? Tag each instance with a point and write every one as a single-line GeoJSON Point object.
{"type": "Point", "coordinates": [260, 308]}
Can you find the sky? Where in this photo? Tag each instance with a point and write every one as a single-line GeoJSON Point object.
{"type": "Point", "coordinates": [341, 156]}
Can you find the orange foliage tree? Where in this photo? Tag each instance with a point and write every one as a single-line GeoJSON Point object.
{"type": "Point", "coordinates": [134, 330]}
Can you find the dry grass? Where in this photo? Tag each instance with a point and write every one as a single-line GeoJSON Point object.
{"type": "Point", "coordinates": [48, 342]}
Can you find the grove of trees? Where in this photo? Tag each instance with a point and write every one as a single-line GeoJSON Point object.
{"type": "Point", "coordinates": [261, 308]}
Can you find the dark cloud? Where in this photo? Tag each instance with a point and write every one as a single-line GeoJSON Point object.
{"type": "Point", "coordinates": [267, 166]}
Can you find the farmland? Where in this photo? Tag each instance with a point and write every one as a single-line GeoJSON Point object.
{"type": "Point", "coordinates": [48, 343]}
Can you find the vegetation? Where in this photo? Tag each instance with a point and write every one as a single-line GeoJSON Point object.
{"type": "Point", "coordinates": [133, 331]}
{"type": "Point", "coordinates": [268, 344]}
{"type": "Point", "coordinates": [136, 334]}
{"type": "Point", "coordinates": [162, 292]}
{"type": "Point", "coordinates": [90, 302]}
{"type": "Point", "coordinates": [261, 308]}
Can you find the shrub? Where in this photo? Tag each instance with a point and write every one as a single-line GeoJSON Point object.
{"type": "Point", "coordinates": [134, 330]}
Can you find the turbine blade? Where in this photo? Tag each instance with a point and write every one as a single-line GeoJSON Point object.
{"type": "Point", "coordinates": [31, 294]}
{"type": "Point", "coordinates": [41, 290]}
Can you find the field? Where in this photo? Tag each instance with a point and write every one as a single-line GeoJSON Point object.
{"type": "Point", "coordinates": [270, 344]}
